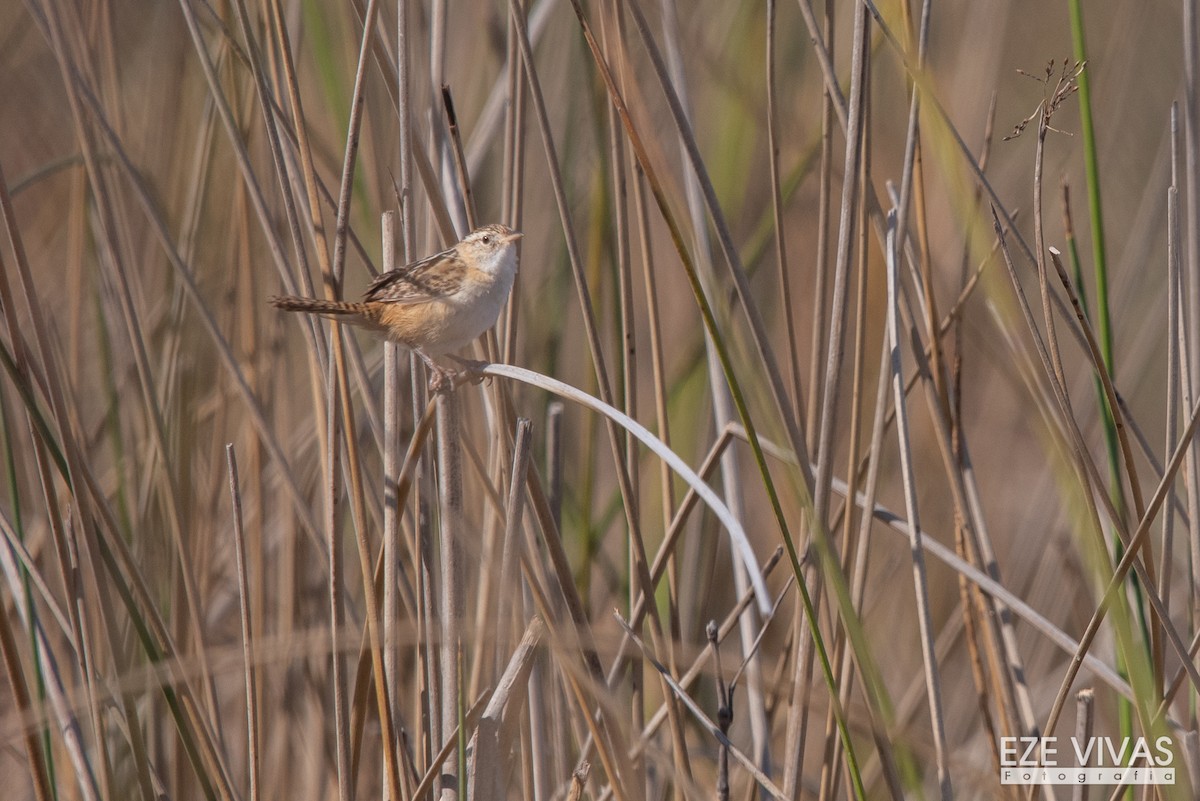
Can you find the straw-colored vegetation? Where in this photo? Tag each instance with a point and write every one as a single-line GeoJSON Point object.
{"type": "Point", "coordinates": [250, 555]}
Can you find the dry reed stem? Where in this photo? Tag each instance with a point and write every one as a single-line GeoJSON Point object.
{"type": "Point", "coordinates": [614, 41]}
{"type": "Point", "coordinates": [336, 594]}
{"type": "Point", "coordinates": [785, 289]}
{"type": "Point", "coordinates": [920, 580]}
{"type": "Point", "coordinates": [1085, 710]}
{"type": "Point", "coordinates": [239, 546]}
{"type": "Point", "coordinates": [847, 545]}
{"type": "Point", "coordinates": [830, 382]}
{"type": "Point", "coordinates": [390, 552]}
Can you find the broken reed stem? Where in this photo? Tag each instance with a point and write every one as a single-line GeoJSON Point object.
{"type": "Point", "coordinates": [1085, 710]}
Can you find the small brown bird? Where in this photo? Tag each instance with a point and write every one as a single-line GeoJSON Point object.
{"type": "Point", "coordinates": [435, 305]}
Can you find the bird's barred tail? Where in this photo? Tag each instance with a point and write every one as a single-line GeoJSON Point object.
{"type": "Point", "coordinates": [316, 306]}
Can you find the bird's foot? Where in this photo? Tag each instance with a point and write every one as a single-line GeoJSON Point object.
{"type": "Point", "coordinates": [441, 379]}
{"type": "Point", "coordinates": [474, 367]}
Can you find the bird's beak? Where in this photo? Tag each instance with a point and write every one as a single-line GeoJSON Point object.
{"type": "Point", "coordinates": [513, 237]}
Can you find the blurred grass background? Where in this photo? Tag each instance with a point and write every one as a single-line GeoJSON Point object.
{"type": "Point", "coordinates": [139, 250]}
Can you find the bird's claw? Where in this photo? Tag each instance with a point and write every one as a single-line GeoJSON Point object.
{"type": "Point", "coordinates": [442, 379]}
{"type": "Point", "coordinates": [475, 368]}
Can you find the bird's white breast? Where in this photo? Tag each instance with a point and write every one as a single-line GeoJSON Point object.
{"type": "Point", "coordinates": [477, 305]}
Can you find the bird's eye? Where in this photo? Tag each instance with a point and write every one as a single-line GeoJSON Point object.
{"type": "Point", "coordinates": [487, 239]}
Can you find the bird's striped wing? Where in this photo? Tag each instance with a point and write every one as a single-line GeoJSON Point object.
{"type": "Point", "coordinates": [437, 276]}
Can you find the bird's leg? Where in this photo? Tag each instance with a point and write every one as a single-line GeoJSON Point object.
{"type": "Point", "coordinates": [439, 376]}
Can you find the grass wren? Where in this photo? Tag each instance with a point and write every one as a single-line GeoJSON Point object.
{"type": "Point", "coordinates": [436, 305]}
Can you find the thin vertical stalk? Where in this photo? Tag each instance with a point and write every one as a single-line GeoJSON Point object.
{"type": "Point", "coordinates": [657, 364]}
{"type": "Point", "coordinates": [514, 511]}
{"type": "Point", "coordinates": [655, 325]}
{"type": "Point", "coordinates": [830, 382]}
{"type": "Point", "coordinates": [392, 454]}
{"type": "Point", "coordinates": [1091, 165]}
{"type": "Point", "coordinates": [812, 409]}
{"type": "Point", "coordinates": [239, 550]}
{"type": "Point", "coordinates": [613, 40]}
{"type": "Point", "coordinates": [785, 290]}
{"type": "Point", "coordinates": [850, 185]}
{"type": "Point", "coordinates": [452, 593]}
{"type": "Point", "coordinates": [1167, 547]}
{"type": "Point", "coordinates": [849, 547]}
{"type": "Point", "coordinates": [513, 178]}
{"type": "Point", "coordinates": [913, 191]}
{"type": "Point", "coordinates": [1187, 393]}
{"type": "Point", "coordinates": [547, 761]}
{"type": "Point", "coordinates": [1191, 317]}
{"type": "Point", "coordinates": [1085, 711]}
{"type": "Point", "coordinates": [920, 582]}
{"type": "Point", "coordinates": [337, 614]}
{"type": "Point", "coordinates": [976, 614]}
{"type": "Point", "coordinates": [859, 577]}
{"type": "Point", "coordinates": [439, 143]}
